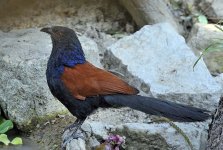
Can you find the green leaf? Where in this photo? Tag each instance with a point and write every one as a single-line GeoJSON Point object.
{"type": "Point", "coordinates": [219, 27]}
{"type": "Point", "coordinates": [206, 49]}
{"type": "Point", "coordinates": [16, 141]}
{"type": "Point", "coordinates": [4, 139]}
{"type": "Point", "coordinates": [5, 126]}
{"type": "Point", "coordinates": [212, 47]}
{"type": "Point", "coordinates": [202, 19]}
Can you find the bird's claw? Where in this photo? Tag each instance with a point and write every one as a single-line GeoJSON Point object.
{"type": "Point", "coordinates": [70, 135]}
{"type": "Point", "coordinates": [75, 126]}
{"type": "Point", "coordinates": [72, 132]}
{"type": "Point", "coordinates": [72, 127]}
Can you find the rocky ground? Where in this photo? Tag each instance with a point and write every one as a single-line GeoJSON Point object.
{"type": "Point", "coordinates": [106, 29]}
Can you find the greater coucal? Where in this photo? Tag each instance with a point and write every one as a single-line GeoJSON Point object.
{"type": "Point", "coordinates": [82, 87]}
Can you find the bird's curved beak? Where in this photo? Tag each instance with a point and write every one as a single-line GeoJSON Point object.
{"type": "Point", "coordinates": [47, 30]}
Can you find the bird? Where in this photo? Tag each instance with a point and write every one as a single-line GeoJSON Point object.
{"type": "Point", "coordinates": [82, 88]}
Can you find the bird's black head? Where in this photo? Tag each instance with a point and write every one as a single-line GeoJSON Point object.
{"type": "Point", "coordinates": [60, 34]}
{"type": "Point", "coordinates": [66, 46]}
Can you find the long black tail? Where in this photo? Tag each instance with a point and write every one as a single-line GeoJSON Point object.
{"type": "Point", "coordinates": [153, 106]}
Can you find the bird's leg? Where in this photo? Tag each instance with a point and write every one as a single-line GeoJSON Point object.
{"type": "Point", "coordinates": [76, 125]}
{"type": "Point", "coordinates": [71, 133]}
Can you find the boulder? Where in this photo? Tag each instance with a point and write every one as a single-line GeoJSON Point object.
{"type": "Point", "coordinates": [201, 37]}
{"type": "Point", "coordinates": [150, 12]}
{"type": "Point", "coordinates": [159, 57]}
{"type": "Point", "coordinates": [143, 135]}
{"type": "Point", "coordinates": [24, 94]}
{"type": "Point", "coordinates": [213, 9]}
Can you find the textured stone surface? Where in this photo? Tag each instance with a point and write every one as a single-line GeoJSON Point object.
{"type": "Point", "coordinates": [102, 15]}
{"type": "Point", "coordinates": [213, 9]}
{"type": "Point", "coordinates": [161, 59]}
{"type": "Point", "coordinates": [215, 138]}
{"type": "Point", "coordinates": [77, 144]}
{"type": "Point", "coordinates": [200, 38]}
{"type": "Point", "coordinates": [150, 12]}
{"type": "Point", "coordinates": [24, 94]}
{"type": "Point", "coordinates": [219, 79]}
{"type": "Point", "coordinates": [142, 135]}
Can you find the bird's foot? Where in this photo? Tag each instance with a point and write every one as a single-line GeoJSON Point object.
{"type": "Point", "coordinates": [72, 132]}
{"type": "Point", "coordinates": [72, 127]}
{"type": "Point", "coordinates": [70, 135]}
{"type": "Point", "coordinates": [75, 126]}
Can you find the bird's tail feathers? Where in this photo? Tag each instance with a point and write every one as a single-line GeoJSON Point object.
{"type": "Point", "coordinates": [153, 106]}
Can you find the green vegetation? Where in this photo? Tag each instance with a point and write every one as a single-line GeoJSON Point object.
{"type": "Point", "coordinates": [202, 19]}
{"type": "Point", "coordinates": [6, 125]}
{"type": "Point", "coordinates": [216, 45]}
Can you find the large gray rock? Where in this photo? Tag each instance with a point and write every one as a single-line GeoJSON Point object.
{"type": "Point", "coordinates": [24, 94]}
{"type": "Point", "coordinates": [219, 79]}
{"type": "Point", "coordinates": [203, 36]}
{"type": "Point", "coordinates": [143, 135]}
{"type": "Point", "coordinates": [213, 9]}
{"type": "Point", "coordinates": [160, 58]}
{"type": "Point", "coordinates": [150, 12]}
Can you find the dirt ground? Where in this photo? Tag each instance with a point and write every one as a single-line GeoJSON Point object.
{"type": "Point", "coordinates": [48, 135]}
